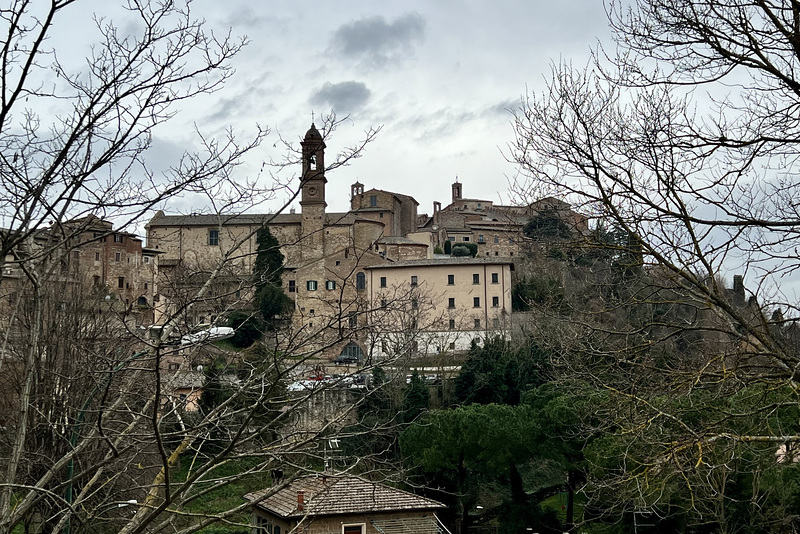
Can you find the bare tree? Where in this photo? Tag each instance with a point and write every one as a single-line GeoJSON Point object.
{"type": "Point", "coordinates": [99, 435]}
{"type": "Point", "coordinates": [684, 139]}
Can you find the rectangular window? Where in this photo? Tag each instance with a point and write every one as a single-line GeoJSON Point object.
{"type": "Point", "coordinates": [451, 239]}
{"type": "Point", "coordinates": [495, 302]}
{"type": "Point", "coordinates": [311, 285]}
{"type": "Point", "coordinates": [496, 239]}
{"type": "Point", "coordinates": [145, 286]}
{"type": "Point", "coordinates": [453, 345]}
{"type": "Point", "coordinates": [476, 278]}
{"type": "Point", "coordinates": [121, 282]}
{"type": "Point", "coordinates": [330, 284]}
{"type": "Point", "coordinates": [118, 238]}
{"type": "Point", "coordinates": [213, 237]}
{"type": "Point", "coordinates": [174, 366]}
{"type": "Point", "coordinates": [495, 278]}
{"type": "Point", "coordinates": [96, 256]}
{"type": "Point", "coordinates": [451, 279]}
{"type": "Point", "coordinates": [292, 286]}
{"type": "Point", "coordinates": [466, 238]}
{"type": "Point", "coordinates": [352, 529]}
{"type": "Point", "coordinates": [476, 302]}
{"type": "Point", "coordinates": [383, 281]}
{"type": "Point", "coordinates": [361, 281]}
{"type": "Point", "coordinates": [380, 215]}
{"type": "Point", "coordinates": [373, 200]}
{"type": "Point", "coordinates": [496, 322]}
{"type": "Point", "coordinates": [413, 280]}
{"type": "Point", "coordinates": [117, 256]}
{"type": "Point", "coordinates": [451, 302]}
{"type": "Point", "coordinates": [452, 324]}
{"type": "Point", "coordinates": [146, 259]}
{"type": "Point", "coordinates": [477, 323]}
{"type": "Point", "coordinates": [480, 238]}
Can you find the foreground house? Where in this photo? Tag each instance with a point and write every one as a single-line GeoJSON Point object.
{"type": "Point", "coordinates": [342, 504]}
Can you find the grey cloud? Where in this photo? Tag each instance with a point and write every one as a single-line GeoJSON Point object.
{"type": "Point", "coordinates": [377, 40]}
{"type": "Point", "coordinates": [343, 97]}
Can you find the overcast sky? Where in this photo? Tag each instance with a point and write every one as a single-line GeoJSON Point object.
{"type": "Point", "coordinates": [437, 76]}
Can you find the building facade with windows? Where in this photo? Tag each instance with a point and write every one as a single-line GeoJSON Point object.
{"type": "Point", "coordinates": [431, 306]}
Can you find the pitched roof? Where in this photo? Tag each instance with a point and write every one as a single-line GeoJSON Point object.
{"type": "Point", "coordinates": [339, 494]}
{"type": "Point", "coordinates": [449, 261]}
{"type": "Point", "coordinates": [245, 219]}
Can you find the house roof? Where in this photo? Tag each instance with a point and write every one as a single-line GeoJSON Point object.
{"type": "Point", "coordinates": [246, 219]}
{"type": "Point", "coordinates": [338, 495]}
{"type": "Point", "coordinates": [442, 262]}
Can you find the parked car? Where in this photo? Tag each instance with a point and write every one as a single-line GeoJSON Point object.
{"type": "Point", "coordinates": [212, 334]}
{"type": "Point", "coordinates": [345, 358]}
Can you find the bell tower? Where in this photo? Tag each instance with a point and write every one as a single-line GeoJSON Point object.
{"type": "Point", "coordinates": [312, 199]}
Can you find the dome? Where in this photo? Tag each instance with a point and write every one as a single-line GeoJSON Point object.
{"type": "Point", "coordinates": [313, 133]}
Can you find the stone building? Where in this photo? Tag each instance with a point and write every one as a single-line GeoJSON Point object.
{"type": "Point", "coordinates": [344, 504]}
{"type": "Point", "coordinates": [324, 253]}
{"type": "Point", "coordinates": [329, 256]}
{"type": "Point", "coordinates": [433, 306]}
{"type": "Point", "coordinates": [496, 229]}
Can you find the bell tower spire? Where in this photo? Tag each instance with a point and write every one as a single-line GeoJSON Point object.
{"type": "Point", "coordinates": [312, 198]}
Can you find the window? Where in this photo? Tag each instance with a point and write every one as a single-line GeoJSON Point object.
{"type": "Point", "coordinates": [338, 263]}
{"type": "Point", "coordinates": [495, 278]}
{"type": "Point", "coordinates": [96, 256]}
{"type": "Point", "coordinates": [414, 304]}
{"type": "Point", "coordinates": [451, 239]}
{"type": "Point", "coordinates": [292, 286]}
{"type": "Point", "coordinates": [352, 529]}
{"type": "Point", "coordinates": [213, 237]}
{"type": "Point", "coordinates": [330, 284]}
{"type": "Point", "coordinates": [451, 303]}
{"type": "Point", "coordinates": [311, 285]}
{"type": "Point", "coordinates": [352, 319]}
{"type": "Point", "coordinates": [476, 278]}
{"type": "Point", "coordinates": [476, 302]}
{"type": "Point", "coordinates": [311, 311]}
{"type": "Point", "coordinates": [496, 322]}
{"type": "Point", "coordinates": [453, 345]}
{"type": "Point", "coordinates": [496, 239]}
{"type": "Point", "coordinates": [413, 280]}
{"type": "Point", "coordinates": [146, 259]}
{"type": "Point", "coordinates": [117, 256]}
{"type": "Point", "coordinates": [373, 200]}
{"type": "Point", "coordinates": [174, 366]}
{"type": "Point", "coordinates": [383, 281]}
{"type": "Point", "coordinates": [477, 323]}
{"type": "Point", "coordinates": [121, 282]}
{"type": "Point", "coordinates": [118, 238]}
{"type": "Point", "coordinates": [361, 281]}
{"type": "Point", "coordinates": [466, 238]}
{"type": "Point", "coordinates": [452, 324]}
{"type": "Point", "coordinates": [495, 302]}
{"type": "Point", "coordinates": [380, 215]}
{"type": "Point", "coordinates": [145, 286]}
{"type": "Point", "coordinates": [480, 238]}
{"type": "Point", "coordinates": [383, 303]}
{"type": "Point", "coordinates": [451, 279]}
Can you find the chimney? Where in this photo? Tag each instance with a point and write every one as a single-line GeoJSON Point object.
{"type": "Point", "coordinates": [300, 501]}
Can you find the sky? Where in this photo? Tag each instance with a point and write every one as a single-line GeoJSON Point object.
{"type": "Point", "coordinates": [438, 77]}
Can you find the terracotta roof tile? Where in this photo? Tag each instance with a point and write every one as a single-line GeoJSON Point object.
{"type": "Point", "coordinates": [339, 494]}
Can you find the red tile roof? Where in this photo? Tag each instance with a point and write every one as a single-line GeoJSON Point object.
{"type": "Point", "coordinates": [339, 494]}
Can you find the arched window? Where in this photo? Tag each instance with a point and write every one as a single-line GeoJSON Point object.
{"type": "Point", "coordinates": [361, 281]}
